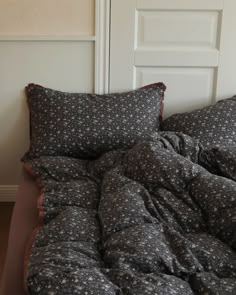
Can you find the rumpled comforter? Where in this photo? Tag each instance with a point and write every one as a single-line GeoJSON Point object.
{"type": "Point", "coordinates": [159, 218]}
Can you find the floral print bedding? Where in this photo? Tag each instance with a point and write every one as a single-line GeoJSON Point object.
{"type": "Point", "coordinates": [85, 125]}
{"type": "Point", "coordinates": [212, 125]}
{"type": "Point", "coordinates": [159, 218]}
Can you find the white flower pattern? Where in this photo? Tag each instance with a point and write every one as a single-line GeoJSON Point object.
{"type": "Point", "coordinates": [86, 125]}
{"type": "Point", "coordinates": [158, 218]}
{"type": "Point", "coordinates": [212, 125]}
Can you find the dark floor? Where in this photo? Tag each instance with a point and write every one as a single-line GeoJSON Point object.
{"type": "Point", "coordinates": [5, 218]}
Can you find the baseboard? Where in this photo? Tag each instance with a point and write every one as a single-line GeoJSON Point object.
{"type": "Point", "coordinates": [8, 193]}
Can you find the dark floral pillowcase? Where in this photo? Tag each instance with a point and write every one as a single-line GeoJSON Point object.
{"type": "Point", "coordinates": [212, 125]}
{"type": "Point", "coordinates": [86, 125]}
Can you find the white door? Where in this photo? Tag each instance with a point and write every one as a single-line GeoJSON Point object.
{"type": "Point", "coordinates": [190, 45]}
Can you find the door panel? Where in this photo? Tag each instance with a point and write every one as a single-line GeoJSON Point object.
{"type": "Point", "coordinates": [185, 80]}
{"type": "Point", "coordinates": [180, 5]}
{"type": "Point", "coordinates": [177, 42]}
{"type": "Point", "coordinates": [186, 29]}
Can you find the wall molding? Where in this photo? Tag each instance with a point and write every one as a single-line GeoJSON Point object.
{"type": "Point", "coordinates": [102, 46]}
{"type": "Point", "coordinates": [8, 193]}
{"type": "Point", "coordinates": [101, 41]}
{"type": "Point", "coordinates": [79, 38]}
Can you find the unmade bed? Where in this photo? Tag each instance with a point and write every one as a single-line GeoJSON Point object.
{"type": "Point", "coordinates": [128, 204]}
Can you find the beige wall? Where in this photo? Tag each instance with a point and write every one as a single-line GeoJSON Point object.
{"type": "Point", "coordinates": [46, 17]}
{"type": "Point", "coordinates": [64, 65]}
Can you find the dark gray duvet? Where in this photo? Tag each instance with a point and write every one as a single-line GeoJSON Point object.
{"type": "Point", "coordinates": [159, 218]}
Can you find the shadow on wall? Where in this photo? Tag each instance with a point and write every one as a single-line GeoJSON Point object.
{"type": "Point", "coordinates": [14, 138]}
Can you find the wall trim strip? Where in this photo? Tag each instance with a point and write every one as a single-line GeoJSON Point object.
{"type": "Point", "coordinates": [80, 38]}
{"type": "Point", "coordinates": [102, 46]}
{"type": "Point", "coordinates": [8, 193]}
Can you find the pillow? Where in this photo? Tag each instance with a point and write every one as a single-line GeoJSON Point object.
{"type": "Point", "coordinates": [86, 125]}
{"type": "Point", "coordinates": [212, 125]}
